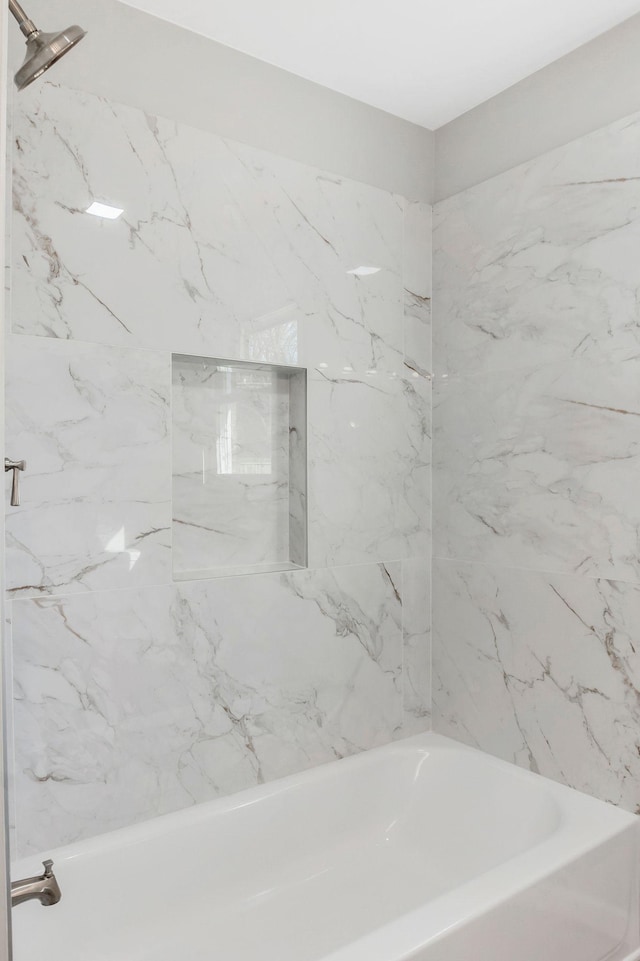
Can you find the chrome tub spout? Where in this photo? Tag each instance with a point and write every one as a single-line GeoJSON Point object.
{"type": "Point", "coordinates": [43, 888]}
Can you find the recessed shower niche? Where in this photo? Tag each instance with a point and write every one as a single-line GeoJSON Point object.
{"type": "Point", "coordinates": [239, 467]}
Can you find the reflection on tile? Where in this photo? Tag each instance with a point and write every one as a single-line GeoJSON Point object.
{"type": "Point", "coordinates": [417, 287]}
{"type": "Point", "coordinates": [92, 425]}
{"type": "Point", "coordinates": [416, 630]}
{"type": "Point", "coordinates": [539, 264]}
{"type": "Point", "coordinates": [134, 703]}
{"type": "Point", "coordinates": [538, 468]}
{"type": "Point", "coordinates": [250, 251]}
{"type": "Point", "coordinates": [543, 670]}
{"type": "Point", "coordinates": [369, 467]}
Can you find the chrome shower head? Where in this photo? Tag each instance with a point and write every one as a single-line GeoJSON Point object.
{"type": "Point", "coordinates": [43, 49]}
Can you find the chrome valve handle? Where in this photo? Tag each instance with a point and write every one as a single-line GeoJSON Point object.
{"type": "Point", "coordinates": [15, 466]}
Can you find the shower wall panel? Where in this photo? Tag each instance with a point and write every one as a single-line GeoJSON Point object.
{"type": "Point", "coordinates": [134, 703]}
{"type": "Point", "coordinates": [536, 463]}
{"type": "Point", "coordinates": [136, 694]}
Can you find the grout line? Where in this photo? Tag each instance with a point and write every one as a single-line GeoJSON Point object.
{"type": "Point", "coordinates": [495, 565]}
{"type": "Point", "coordinates": [72, 341]}
{"type": "Point", "coordinates": [205, 580]}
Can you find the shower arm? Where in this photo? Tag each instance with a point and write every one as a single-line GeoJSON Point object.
{"type": "Point", "coordinates": [27, 26]}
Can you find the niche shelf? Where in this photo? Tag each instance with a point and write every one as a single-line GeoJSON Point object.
{"type": "Point", "coordinates": [239, 467]}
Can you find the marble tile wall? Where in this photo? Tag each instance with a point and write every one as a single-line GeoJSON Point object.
{"type": "Point", "coordinates": [92, 422]}
{"type": "Point", "coordinates": [536, 456]}
{"type": "Point", "coordinates": [136, 695]}
{"type": "Point", "coordinates": [222, 250]}
{"type": "Point", "coordinates": [137, 702]}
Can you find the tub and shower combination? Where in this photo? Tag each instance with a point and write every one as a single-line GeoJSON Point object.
{"type": "Point", "coordinates": [423, 850]}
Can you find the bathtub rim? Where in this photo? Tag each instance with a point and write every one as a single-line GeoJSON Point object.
{"type": "Point", "coordinates": [583, 806]}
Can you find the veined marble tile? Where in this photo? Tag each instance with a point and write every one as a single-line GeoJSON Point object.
{"type": "Point", "coordinates": [222, 249]}
{"type": "Point", "coordinates": [369, 467]}
{"type": "Point", "coordinates": [543, 670]}
{"type": "Point", "coordinates": [340, 244]}
{"type": "Point", "coordinates": [417, 287]}
{"type": "Point", "coordinates": [92, 424]}
{"type": "Point", "coordinates": [416, 630]}
{"type": "Point", "coordinates": [130, 704]}
{"type": "Point", "coordinates": [538, 468]}
{"type": "Point", "coordinates": [539, 264]}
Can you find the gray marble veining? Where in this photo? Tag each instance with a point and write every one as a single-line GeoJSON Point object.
{"type": "Point", "coordinates": [416, 625]}
{"type": "Point", "coordinates": [369, 467]}
{"type": "Point", "coordinates": [537, 467]}
{"type": "Point", "coordinates": [417, 287]}
{"type": "Point", "coordinates": [543, 670]}
{"type": "Point", "coordinates": [536, 455]}
{"type": "Point", "coordinates": [222, 249]}
{"type": "Point", "coordinates": [539, 265]}
{"type": "Point", "coordinates": [93, 425]}
{"type": "Point", "coordinates": [134, 703]}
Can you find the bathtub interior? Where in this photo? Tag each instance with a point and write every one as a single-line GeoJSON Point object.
{"type": "Point", "coordinates": [306, 866]}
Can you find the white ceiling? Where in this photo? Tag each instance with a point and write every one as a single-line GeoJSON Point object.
{"type": "Point", "coordinates": [425, 60]}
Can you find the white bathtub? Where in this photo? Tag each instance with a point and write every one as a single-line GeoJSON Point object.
{"type": "Point", "coordinates": [422, 850]}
